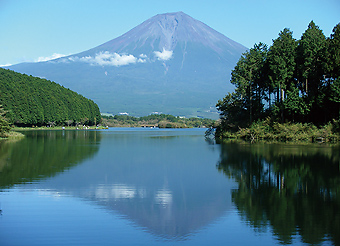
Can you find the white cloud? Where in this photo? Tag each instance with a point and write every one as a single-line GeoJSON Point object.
{"type": "Point", "coordinates": [72, 58]}
{"type": "Point", "coordinates": [105, 58]}
{"type": "Point", "coordinates": [164, 55]}
{"type": "Point", "coordinates": [39, 59]}
{"type": "Point", "coordinates": [48, 58]}
{"type": "Point", "coordinates": [6, 65]}
{"type": "Point", "coordinates": [111, 59]}
{"type": "Point", "coordinates": [140, 60]}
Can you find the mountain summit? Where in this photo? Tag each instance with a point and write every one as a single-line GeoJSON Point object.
{"type": "Point", "coordinates": [171, 63]}
{"type": "Point", "coordinates": [164, 32]}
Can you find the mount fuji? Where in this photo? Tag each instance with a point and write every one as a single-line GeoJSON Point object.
{"type": "Point", "coordinates": [171, 63]}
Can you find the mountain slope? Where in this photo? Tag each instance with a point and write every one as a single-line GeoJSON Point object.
{"type": "Point", "coordinates": [170, 63]}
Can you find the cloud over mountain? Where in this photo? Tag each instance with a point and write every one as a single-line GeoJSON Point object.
{"type": "Point", "coordinates": [164, 55]}
{"type": "Point", "coordinates": [111, 59]}
{"type": "Point", "coordinates": [48, 58]}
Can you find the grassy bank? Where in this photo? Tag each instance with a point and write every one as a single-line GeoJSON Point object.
{"type": "Point", "coordinates": [12, 135]}
{"type": "Point", "coordinates": [286, 132]}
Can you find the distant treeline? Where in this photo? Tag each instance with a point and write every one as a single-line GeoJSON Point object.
{"type": "Point", "coordinates": [159, 120]}
{"type": "Point", "coordinates": [290, 81]}
{"type": "Point", "coordinates": [34, 101]}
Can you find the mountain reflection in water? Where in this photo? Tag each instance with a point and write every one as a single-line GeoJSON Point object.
{"type": "Point", "coordinates": [155, 187]}
{"type": "Point", "coordinates": [165, 182]}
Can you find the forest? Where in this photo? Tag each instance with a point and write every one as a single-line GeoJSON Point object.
{"type": "Point", "coordinates": [32, 101]}
{"type": "Point", "coordinates": [292, 81]}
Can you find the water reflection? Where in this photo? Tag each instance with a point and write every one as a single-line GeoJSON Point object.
{"type": "Point", "coordinates": [162, 181]}
{"type": "Point", "coordinates": [43, 154]}
{"type": "Point", "coordinates": [116, 191]}
{"type": "Point", "coordinates": [293, 190]}
{"type": "Point", "coordinates": [155, 179]}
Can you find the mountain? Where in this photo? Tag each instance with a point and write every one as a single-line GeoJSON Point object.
{"type": "Point", "coordinates": [171, 63]}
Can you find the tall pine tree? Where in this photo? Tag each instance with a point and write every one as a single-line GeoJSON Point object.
{"type": "Point", "coordinates": [311, 57]}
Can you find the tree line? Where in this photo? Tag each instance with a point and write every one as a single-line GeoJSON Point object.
{"type": "Point", "coordinates": [159, 120]}
{"type": "Point", "coordinates": [32, 101]}
{"type": "Point", "coordinates": [290, 81]}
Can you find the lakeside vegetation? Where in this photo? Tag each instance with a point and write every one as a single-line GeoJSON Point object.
{"type": "Point", "coordinates": [4, 124]}
{"type": "Point", "coordinates": [269, 130]}
{"type": "Point", "coordinates": [288, 91]}
{"type": "Point", "coordinates": [156, 120]}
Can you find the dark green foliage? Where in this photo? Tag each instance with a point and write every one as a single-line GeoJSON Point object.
{"type": "Point", "coordinates": [281, 64]}
{"type": "Point", "coordinates": [246, 103]}
{"type": "Point", "coordinates": [293, 132]}
{"type": "Point", "coordinates": [334, 52]}
{"type": "Point", "coordinates": [34, 101]}
{"type": "Point", "coordinates": [291, 81]}
{"type": "Point", "coordinates": [311, 70]}
{"type": "Point", "coordinates": [294, 106]}
{"type": "Point", "coordinates": [4, 124]}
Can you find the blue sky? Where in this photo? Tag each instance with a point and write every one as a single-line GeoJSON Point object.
{"type": "Point", "coordinates": [33, 30]}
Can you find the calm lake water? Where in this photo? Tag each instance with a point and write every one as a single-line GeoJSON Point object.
{"type": "Point", "coordinates": [165, 187]}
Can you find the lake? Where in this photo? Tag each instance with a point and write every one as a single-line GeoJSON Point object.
{"type": "Point", "coordinates": [135, 186]}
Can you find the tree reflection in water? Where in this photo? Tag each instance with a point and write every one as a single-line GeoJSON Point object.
{"type": "Point", "coordinates": [44, 154]}
{"type": "Point", "coordinates": [292, 189]}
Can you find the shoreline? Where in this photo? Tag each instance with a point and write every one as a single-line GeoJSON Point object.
{"type": "Point", "coordinates": [58, 128]}
{"type": "Point", "coordinates": [13, 135]}
{"type": "Point", "coordinates": [267, 131]}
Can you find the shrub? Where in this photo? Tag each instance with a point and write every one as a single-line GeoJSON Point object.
{"type": "Point", "coordinates": [268, 130]}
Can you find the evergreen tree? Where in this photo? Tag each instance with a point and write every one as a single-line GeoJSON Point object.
{"type": "Point", "coordinates": [281, 60]}
{"type": "Point", "coordinates": [233, 113]}
{"type": "Point", "coordinates": [334, 52]}
{"type": "Point", "coordinates": [333, 62]}
{"type": "Point", "coordinates": [294, 106]}
{"type": "Point", "coordinates": [311, 57]}
{"type": "Point", "coordinates": [304, 75]}
{"type": "Point", "coordinates": [248, 77]}
{"type": "Point", "coordinates": [334, 98]}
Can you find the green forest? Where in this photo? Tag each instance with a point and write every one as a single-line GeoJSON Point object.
{"type": "Point", "coordinates": [292, 81]}
{"type": "Point", "coordinates": [31, 101]}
